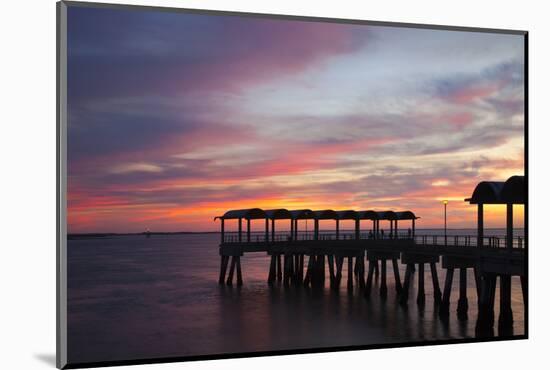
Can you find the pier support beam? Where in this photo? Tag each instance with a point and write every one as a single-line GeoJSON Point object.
{"type": "Point", "coordinates": [477, 276]}
{"type": "Point", "coordinates": [332, 277]}
{"type": "Point", "coordinates": [370, 273]}
{"type": "Point", "coordinates": [239, 272]}
{"type": "Point", "coordinates": [505, 319]}
{"type": "Point", "coordinates": [350, 273]}
{"type": "Point", "coordinates": [310, 264]}
{"type": "Point", "coordinates": [421, 297]}
{"type": "Point", "coordinates": [462, 308]}
{"type": "Point", "coordinates": [445, 302]}
{"type": "Point", "coordinates": [272, 270]}
{"type": "Point", "coordinates": [361, 275]}
{"type": "Point", "coordinates": [404, 296]}
{"type": "Point", "coordinates": [223, 269]}
{"type": "Point", "coordinates": [301, 268]}
{"type": "Point", "coordinates": [339, 265]}
{"type": "Point", "coordinates": [435, 283]}
{"type": "Point", "coordinates": [486, 318]}
{"type": "Point", "coordinates": [398, 286]}
{"type": "Point", "coordinates": [383, 286]}
{"type": "Point", "coordinates": [231, 271]}
{"type": "Point", "coordinates": [279, 268]}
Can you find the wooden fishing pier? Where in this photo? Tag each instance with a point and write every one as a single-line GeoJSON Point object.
{"type": "Point", "coordinates": [367, 250]}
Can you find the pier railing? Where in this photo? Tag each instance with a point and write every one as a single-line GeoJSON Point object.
{"type": "Point", "coordinates": [428, 240]}
{"type": "Point", "coordinates": [469, 241]}
{"type": "Point", "coordinates": [285, 236]}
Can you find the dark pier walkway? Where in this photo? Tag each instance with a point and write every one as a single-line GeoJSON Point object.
{"type": "Point", "coordinates": [301, 257]}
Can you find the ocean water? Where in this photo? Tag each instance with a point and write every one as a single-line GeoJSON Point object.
{"type": "Point", "coordinates": [131, 297]}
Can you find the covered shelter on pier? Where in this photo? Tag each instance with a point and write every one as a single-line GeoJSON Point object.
{"type": "Point", "coordinates": [509, 192]}
{"type": "Point", "coordinates": [347, 215]}
{"type": "Point", "coordinates": [240, 214]}
{"type": "Point", "coordinates": [407, 215]}
{"type": "Point", "coordinates": [276, 214]}
{"type": "Point", "coordinates": [369, 215]}
{"type": "Point", "coordinates": [306, 214]}
{"type": "Point", "coordinates": [390, 216]}
{"type": "Point", "coordinates": [300, 214]}
{"type": "Point", "coordinates": [325, 214]}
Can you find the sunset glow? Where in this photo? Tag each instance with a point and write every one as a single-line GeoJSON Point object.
{"type": "Point", "coordinates": [176, 118]}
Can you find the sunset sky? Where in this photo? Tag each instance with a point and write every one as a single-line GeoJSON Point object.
{"type": "Point", "coordinates": [175, 118]}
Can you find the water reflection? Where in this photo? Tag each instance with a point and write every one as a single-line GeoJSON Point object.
{"type": "Point", "coordinates": [159, 297]}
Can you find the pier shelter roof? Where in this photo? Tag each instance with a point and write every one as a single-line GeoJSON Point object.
{"type": "Point", "coordinates": [406, 215]}
{"type": "Point", "coordinates": [302, 214]}
{"type": "Point", "coordinates": [278, 214]}
{"type": "Point", "coordinates": [487, 192]}
{"type": "Point", "coordinates": [367, 215]}
{"type": "Point", "coordinates": [248, 214]}
{"type": "Point", "coordinates": [513, 191]}
{"type": "Point", "coordinates": [387, 215]}
{"type": "Point", "coordinates": [347, 215]}
{"type": "Point", "coordinates": [326, 214]}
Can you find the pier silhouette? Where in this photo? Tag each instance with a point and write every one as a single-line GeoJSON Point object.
{"type": "Point", "coordinates": [489, 257]}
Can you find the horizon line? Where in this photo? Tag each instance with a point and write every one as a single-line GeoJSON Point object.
{"type": "Point", "coordinates": [260, 231]}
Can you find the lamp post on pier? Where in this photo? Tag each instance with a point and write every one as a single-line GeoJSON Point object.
{"type": "Point", "coordinates": [445, 217]}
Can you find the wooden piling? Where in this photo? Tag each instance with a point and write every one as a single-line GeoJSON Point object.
{"type": "Point", "coordinates": [505, 318]}
{"type": "Point", "coordinates": [383, 286]}
{"type": "Point", "coordinates": [279, 268]}
{"type": "Point", "coordinates": [485, 319]}
{"type": "Point", "coordinates": [368, 287]}
{"type": "Point", "coordinates": [301, 268]}
{"type": "Point", "coordinates": [421, 296]}
{"type": "Point", "coordinates": [307, 279]}
{"type": "Point", "coordinates": [339, 265]}
{"type": "Point", "coordinates": [361, 276]}
{"type": "Point", "coordinates": [231, 271]}
{"type": "Point", "coordinates": [330, 259]}
{"type": "Point", "coordinates": [404, 296]}
{"type": "Point", "coordinates": [322, 270]}
{"type": "Point", "coordinates": [223, 269]}
{"type": "Point", "coordinates": [350, 272]}
{"type": "Point", "coordinates": [398, 287]}
{"type": "Point", "coordinates": [462, 307]}
{"type": "Point", "coordinates": [445, 302]}
{"type": "Point", "coordinates": [477, 277]}
{"type": "Point", "coordinates": [239, 272]}
{"type": "Point", "coordinates": [296, 267]}
{"type": "Point", "coordinates": [286, 272]}
{"type": "Point", "coordinates": [272, 268]}
{"type": "Point", "coordinates": [492, 294]}
{"type": "Point", "coordinates": [435, 283]}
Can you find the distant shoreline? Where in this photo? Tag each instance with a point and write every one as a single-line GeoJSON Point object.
{"type": "Point", "coordinates": [106, 235]}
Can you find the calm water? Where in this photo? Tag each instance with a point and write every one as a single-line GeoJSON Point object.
{"type": "Point", "coordinates": [131, 297]}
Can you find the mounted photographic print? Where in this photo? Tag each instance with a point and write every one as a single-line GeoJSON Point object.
{"type": "Point", "coordinates": [235, 184]}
